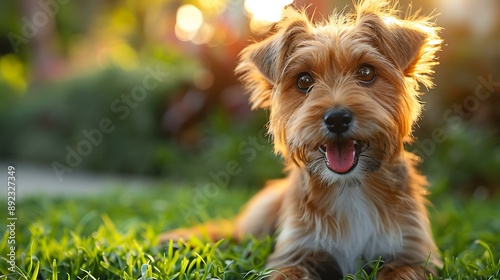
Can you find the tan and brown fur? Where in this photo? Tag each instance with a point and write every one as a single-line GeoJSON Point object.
{"type": "Point", "coordinates": [377, 209]}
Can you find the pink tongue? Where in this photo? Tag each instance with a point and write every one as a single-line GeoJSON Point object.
{"type": "Point", "coordinates": [340, 156]}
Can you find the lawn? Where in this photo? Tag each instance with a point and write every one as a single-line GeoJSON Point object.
{"type": "Point", "coordinates": [114, 235]}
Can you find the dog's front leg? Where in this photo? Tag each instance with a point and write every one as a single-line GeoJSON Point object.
{"type": "Point", "coordinates": [258, 218]}
{"type": "Point", "coordinates": [261, 214]}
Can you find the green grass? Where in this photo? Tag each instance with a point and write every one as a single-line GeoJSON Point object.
{"type": "Point", "coordinates": [115, 236]}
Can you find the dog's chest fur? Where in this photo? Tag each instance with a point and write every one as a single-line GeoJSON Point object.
{"type": "Point", "coordinates": [350, 229]}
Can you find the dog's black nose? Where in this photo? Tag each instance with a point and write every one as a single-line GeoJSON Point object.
{"type": "Point", "coordinates": [337, 120]}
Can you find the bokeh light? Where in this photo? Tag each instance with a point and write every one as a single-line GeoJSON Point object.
{"type": "Point", "coordinates": [264, 13]}
{"type": "Point", "coordinates": [12, 71]}
{"type": "Point", "coordinates": [189, 20]}
{"type": "Point", "coordinates": [266, 10]}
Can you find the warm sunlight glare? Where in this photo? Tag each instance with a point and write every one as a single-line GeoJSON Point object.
{"type": "Point", "coordinates": [189, 21]}
{"type": "Point", "coordinates": [204, 34]}
{"type": "Point", "coordinates": [266, 10]}
{"type": "Point", "coordinates": [213, 4]}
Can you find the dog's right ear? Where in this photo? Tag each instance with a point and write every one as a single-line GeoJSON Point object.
{"type": "Point", "coordinates": [262, 63]}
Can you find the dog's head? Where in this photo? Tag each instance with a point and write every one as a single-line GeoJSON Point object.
{"type": "Point", "coordinates": [343, 95]}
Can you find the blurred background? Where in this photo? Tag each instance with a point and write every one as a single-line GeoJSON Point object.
{"type": "Point", "coordinates": [146, 89]}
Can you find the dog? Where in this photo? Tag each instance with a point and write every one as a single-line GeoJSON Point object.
{"type": "Point", "coordinates": [343, 97]}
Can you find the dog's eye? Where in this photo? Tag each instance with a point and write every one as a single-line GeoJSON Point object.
{"type": "Point", "coordinates": [305, 82]}
{"type": "Point", "coordinates": [366, 74]}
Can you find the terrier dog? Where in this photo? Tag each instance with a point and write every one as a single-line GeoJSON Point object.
{"type": "Point", "coordinates": [343, 97]}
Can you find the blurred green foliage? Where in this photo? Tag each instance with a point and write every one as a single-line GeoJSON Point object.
{"type": "Point", "coordinates": [468, 161]}
{"type": "Point", "coordinates": [50, 118]}
{"type": "Point", "coordinates": [49, 121]}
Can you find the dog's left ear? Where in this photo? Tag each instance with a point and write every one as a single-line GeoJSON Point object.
{"type": "Point", "coordinates": [411, 44]}
{"type": "Point", "coordinates": [262, 63]}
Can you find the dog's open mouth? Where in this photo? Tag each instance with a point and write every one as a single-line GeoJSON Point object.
{"type": "Point", "coordinates": [341, 156]}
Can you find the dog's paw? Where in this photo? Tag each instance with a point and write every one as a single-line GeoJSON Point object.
{"type": "Point", "coordinates": [402, 273]}
{"type": "Point", "coordinates": [291, 273]}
